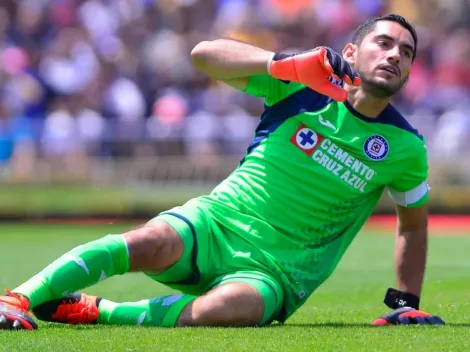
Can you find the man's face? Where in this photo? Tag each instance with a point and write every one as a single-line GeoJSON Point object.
{"type": "Point", "coordinates": [384, 59]}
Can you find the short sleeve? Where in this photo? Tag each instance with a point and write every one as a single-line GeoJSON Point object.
{"type": "Point", "coordinates": [411, 189]}
{"type": "Point", "coordinates": [270, 88]}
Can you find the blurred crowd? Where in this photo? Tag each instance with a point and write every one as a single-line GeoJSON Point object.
{"type": "Point", "coordinates": [107, 78]}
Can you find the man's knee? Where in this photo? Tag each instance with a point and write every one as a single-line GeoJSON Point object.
{"type": "Point", "coordinates": [233, 304]}
{"type": "Point", "coordinates": [153, 247]}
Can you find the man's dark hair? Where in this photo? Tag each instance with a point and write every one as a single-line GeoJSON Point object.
{"type": "Point", "coordinates": [369, 25]}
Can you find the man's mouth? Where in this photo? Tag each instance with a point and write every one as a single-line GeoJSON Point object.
{"type": "Point", "coordinates": [391, 69]}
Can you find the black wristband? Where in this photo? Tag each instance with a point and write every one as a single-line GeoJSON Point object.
{"type": "Point", "coordinates": [279, 56]}
{"type": "Point", "coordinates": [397, 299]}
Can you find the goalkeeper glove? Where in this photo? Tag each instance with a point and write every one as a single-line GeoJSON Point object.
{"type": "Point", "coordinates": [408, 316]}
{"type": "Point", "coordinates": [314, 68]}
{"type": "Point", "coordinates": [406, 310]}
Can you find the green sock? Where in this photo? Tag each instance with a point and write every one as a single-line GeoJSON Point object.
{"type": "Point", "coordinates": [162, 311]}
{"type": "Point", "coordinates": [83, 266]}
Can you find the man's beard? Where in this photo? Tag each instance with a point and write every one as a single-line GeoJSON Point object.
{"type": "Point", "coordinates": [380, 89]}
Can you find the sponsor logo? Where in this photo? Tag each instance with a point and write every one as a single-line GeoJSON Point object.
{"type": "Point", "coordinates": [306, 139]}
{"type": "Point", "coordinates": [376, 147]}
{"type": "Point", "coordinates": [168, 301]}
{"type": "Point", "coordinates": [337, 160]}
{"type": "Point", "coordinates": [326, 123]}
{"type": "Point", "coordinates": [102, 276]}
{"type": "Point", "coordinates": [80, 262]}
{"type": "Point", "coordinates": [141, 319]}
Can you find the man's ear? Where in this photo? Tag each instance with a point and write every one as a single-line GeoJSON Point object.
{"type": "Point", "coordinates": [350, 53]}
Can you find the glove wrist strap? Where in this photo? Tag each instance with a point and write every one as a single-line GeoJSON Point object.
{"type": "Point", "coordinates": [268, 64]}
{"type": "Point", "coordinates": [397, 299]}
{"type": "Point", "coordinates": [275, 57]}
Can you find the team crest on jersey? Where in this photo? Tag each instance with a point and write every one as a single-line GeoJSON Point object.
{"type": "Point", "coordinates": [376, 147]}
{"type": "Point", "coordinates": [306, 140]}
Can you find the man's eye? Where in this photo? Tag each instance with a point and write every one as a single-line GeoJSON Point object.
{"type": "Point", "coordinates": [382, 43]}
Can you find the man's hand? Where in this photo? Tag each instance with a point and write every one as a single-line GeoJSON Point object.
{"type": "Point", "coordinates": [408, 316]}
{"type": "Point", "coordinates": [406, 310]}
{"type": "Point", "coordinates": [314, 68]}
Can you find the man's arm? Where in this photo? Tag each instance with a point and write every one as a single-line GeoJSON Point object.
{"type": "Point", "coordinates": [410, 192]}
{"type": "Point", "coordinates": [230, 61]}
{"type": "Point", "coordinates": [410, 262]}
{"type": "Point", "coordinates": [233, 63]}
{"type": "Point", "coordinates": [411, 248]}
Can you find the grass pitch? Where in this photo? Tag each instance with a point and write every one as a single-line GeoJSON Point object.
{"type": "Point", "coordinates": [336, 318]}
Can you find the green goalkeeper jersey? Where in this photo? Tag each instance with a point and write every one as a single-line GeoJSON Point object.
{"type": "Point", "coordinates": [312, 176]}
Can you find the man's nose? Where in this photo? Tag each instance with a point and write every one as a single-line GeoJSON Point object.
{"type": "Point", "coordinates": [394, 55]}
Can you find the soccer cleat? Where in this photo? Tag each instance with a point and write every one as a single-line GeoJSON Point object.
{"type": "Point", "coordinates": [76, 308]}
{"type": "Point", "coordinates": [14, 313]}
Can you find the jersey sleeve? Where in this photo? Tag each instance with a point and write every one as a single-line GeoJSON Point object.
{"type": "Point", "coordinates": [270, 88]}
{"type": "Point", "coordinates": [411, 189]}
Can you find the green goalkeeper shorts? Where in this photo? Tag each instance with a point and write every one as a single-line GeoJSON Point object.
{"type": "Point", "coordinates": [212, 258]}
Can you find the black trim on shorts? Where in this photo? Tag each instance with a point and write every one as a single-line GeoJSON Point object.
{"type": "Point", "coordinates": [196, 277]}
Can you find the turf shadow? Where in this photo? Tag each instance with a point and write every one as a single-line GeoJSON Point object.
{"type": "Point", "coordinates": [350, 325]}
{"type": "Point", "coordinates": [324, 325]}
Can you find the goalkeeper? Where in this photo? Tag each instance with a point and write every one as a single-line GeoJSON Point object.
{"type": "Point", "coordinates": [252, 251]}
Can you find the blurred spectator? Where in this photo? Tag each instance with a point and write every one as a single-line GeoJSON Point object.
{"type": "Point", "coordinates": [104, 78]}
{"type": "Point", "coordinates": [17, 148]}
{"type": "Point", "coordinates": [452, 133]}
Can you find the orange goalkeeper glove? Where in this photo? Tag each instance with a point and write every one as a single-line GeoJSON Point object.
{"type": "Point", "coordinates": [313, 68]}
{"type": "Point", "coordinates": [408, 316]}
{"type": "Point", "coordinates": [406, 310]}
